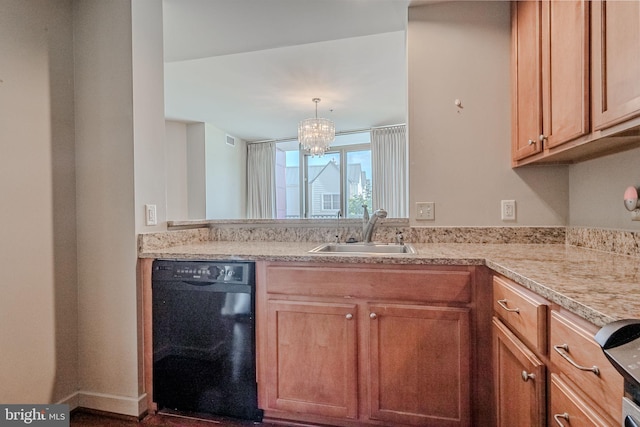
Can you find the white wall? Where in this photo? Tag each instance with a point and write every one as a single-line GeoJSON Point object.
{"type": "Point", "coordinates": [226, 176]}
{"type": "Point", "coordinates": [37, 183]}
{"type": "Point", "coordinates": [597, 189]}
{"type": "Point", "coordinates": [206, 177]}
{"type": "Point", "coordinates": [460, 158]}
{"type": "Point", "coordinates": [196, 171]}
{"type": "Point", "coordinates": [120, 166]}
{"type": "Point", "coordinates": [148, 111]}
{"type": "Point", "coordinates": [176, 170]}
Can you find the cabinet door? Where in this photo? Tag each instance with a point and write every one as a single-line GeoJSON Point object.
{"type": "Point", "coordinates": [312, 358]}
{"type": "Point", "coordinates": [526, 78]}
{"type": "Point", "coordinates": [519, 381]}
{"type": "Point", "coordinates": [615, 59]}
{"type": "Point", "coordinates": [565, 71]}
{"type": "Point", "coordinates": [419, 365]}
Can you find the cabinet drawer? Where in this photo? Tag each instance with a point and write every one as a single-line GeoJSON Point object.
{"type": "Point", "coordinates": [568, 409]}
{"type": "Point", "coordinates": [523, 311]}
{"type": "Point", "coordinates": [574, 352]}
{"type": "Point", "coordinates": [402, 282]}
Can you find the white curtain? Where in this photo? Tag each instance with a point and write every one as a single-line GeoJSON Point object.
{"type": "Point", "coordinates": [261, 177]}
{"type": "Point", "coordinates": [389, 170]}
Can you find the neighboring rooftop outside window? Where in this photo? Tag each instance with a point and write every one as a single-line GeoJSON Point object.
{"type": "Point", "coordinates": [324, 187]}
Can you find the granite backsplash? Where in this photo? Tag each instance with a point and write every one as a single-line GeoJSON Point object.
{"type": "Point", "coordinates": [614, 241]}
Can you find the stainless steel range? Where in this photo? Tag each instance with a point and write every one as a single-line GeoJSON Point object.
{"type": "Point", "coordinates": [620, 342]}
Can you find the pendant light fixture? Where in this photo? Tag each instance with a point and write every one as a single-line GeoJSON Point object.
{"type": "Point", "coordinates": [316, 135]}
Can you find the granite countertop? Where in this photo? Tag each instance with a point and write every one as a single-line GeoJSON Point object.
{"type": "Point", "coordinates": [598, 286]}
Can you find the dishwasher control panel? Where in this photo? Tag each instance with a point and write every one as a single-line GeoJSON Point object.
{"type": "Point", "coordinates": [202, 271]}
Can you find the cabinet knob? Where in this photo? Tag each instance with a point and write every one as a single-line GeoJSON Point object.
{"type": "Point", "coordinates": [542, 137]}
{"type": "Point", "coordinates": [349, 316]}
{"type": "Point", "coordinates": [373, 316]}
{"type": "Point", "coordinates": [557, 417]}
{"type": "Point", "coordinates": [532, 142]}
{"type": "Point", "coordinates": [527, 376]}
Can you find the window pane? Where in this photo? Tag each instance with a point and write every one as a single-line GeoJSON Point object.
{"type": "Point", "coordinates": [287, 182]}
{"type": "Point", "coordinates": [358, 182]}
{"type": "Point", "coordinates": [323, 184]}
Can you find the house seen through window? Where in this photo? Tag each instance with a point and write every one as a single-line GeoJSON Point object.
{"type": "Point", "coordinates": [322, 187]}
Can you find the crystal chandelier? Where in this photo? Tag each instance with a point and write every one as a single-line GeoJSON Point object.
{"type": "Point", "coordinates": [316, 135]}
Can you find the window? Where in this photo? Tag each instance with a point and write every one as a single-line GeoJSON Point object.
{"type": "Point", "coordinates": [331, 202]}
{"type": "Point", "coordinates": [320, 187]}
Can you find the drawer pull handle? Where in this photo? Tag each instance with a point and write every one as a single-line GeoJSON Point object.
{"type": "Point", "coordinates": [503, 304]}
{"type": "Point", "coordinates": [563, 349]}
{"type": "Point", "coordinates": [558, 416]}
{"type": "Point", "coordinates": [527, 376]}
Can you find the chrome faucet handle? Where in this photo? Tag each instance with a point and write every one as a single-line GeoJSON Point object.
{"type": "Point", "coordinates": [399, 238]}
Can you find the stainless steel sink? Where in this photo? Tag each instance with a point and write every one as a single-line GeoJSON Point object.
{"type": "Point", "coordinates": [364, 248]}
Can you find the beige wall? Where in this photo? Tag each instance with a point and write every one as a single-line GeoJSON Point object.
{"type": "Point", "coordinates": [37, 238]}
{"type": "Point", "coordinates": [226, 172]}
{"type": "Point", "coordinates": [196, 171]}
{"type": "Point", "coordinates": [148, 112]}
{"type": "Point", "coordinates": [460, 158]}
{"type": "Point", "coordinates": [597, 189]}
{"type": "Point", "coordinates": [176, 170]}
{"type": "Point", "coordinates": [206, 177]}
{"type": "Point", "coordinates": [120, 167]}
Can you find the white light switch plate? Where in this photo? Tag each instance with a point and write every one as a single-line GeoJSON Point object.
{"type": "Point", "coordinates": [426, 211]}
{"type": "Point", "coordinates": [151, 217]}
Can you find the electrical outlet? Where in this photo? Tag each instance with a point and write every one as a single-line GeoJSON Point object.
{"type": "Point", "coordinates": [508, 212]}
{"type": "Point", "coordinates": [426, 211]}
{"type": "Point", "coordinates": [150, 215]}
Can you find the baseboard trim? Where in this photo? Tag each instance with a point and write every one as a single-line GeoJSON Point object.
{"type": "Point", "coordinates": [134, 407]}
{"type": "Point", "coordinates": [72, 400]}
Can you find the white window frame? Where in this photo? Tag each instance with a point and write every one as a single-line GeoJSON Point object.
{"type": "Point", "coordinates": [342, 150]}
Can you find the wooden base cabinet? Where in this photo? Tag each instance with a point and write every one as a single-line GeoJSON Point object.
{"type": "Point", "coordinates": [520, 381]}
{"type": "Point", "coordinates": [313, 358]}
{"type": "Point", "coordinates": [533, 336]}
{"type": "Point", "coordinates": [419, 364]}
{"type": "Point", "coordinates": [354, 345]}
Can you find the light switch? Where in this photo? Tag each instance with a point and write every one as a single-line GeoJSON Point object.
{"type": "Point", "coordinates": [151, 217]}
{"type": "Point", "coordinates": [426, 211]}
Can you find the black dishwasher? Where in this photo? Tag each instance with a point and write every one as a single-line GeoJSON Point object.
{"type": "Point", "coordinates": [204, 337]}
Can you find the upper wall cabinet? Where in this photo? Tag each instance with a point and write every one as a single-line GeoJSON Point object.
{"type": "Point", "coordinates": [616, 62]}
{"type": "Point", "coordinates": [526, 109]}
{"type": "Point", "coordinates": [563, 110]}
{"type": "Point", "coordinates": [550, 74]}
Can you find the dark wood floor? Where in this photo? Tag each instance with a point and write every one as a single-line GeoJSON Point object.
{"type": "Point", "coordinates": [82, 418]}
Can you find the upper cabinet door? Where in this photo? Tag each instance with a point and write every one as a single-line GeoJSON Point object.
{"type": "Point", "coordinates": [615, 29]}
{"type": "Point", "coordinates": [565, 71]}
{"type": "Point", "coordinates": [526, 78]}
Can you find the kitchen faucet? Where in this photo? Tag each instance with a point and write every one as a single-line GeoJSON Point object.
{"type": "Point", "coordinates": [369, 223]}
